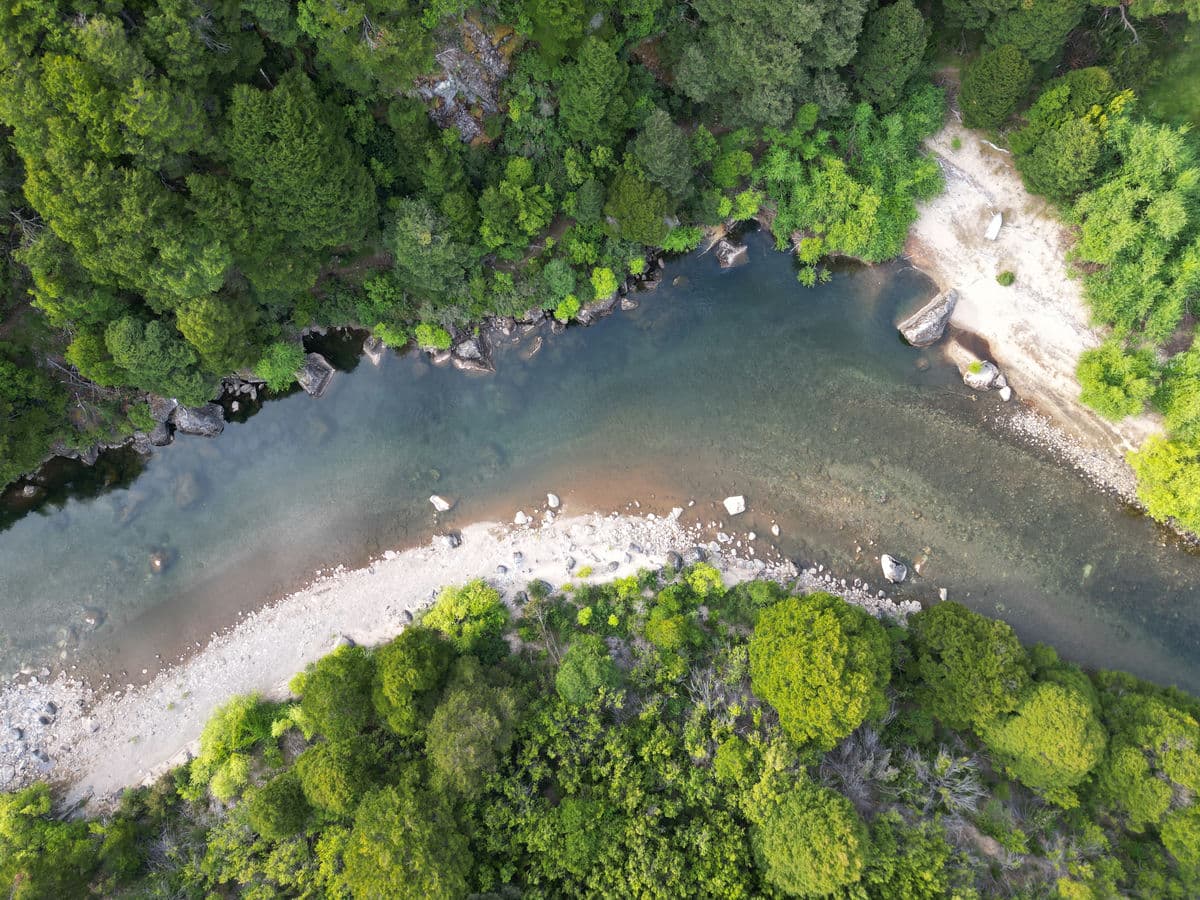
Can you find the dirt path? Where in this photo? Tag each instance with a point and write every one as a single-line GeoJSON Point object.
{"type": "Point", "coordinates": [1035, 328]}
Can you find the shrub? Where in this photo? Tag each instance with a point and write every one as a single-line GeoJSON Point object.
{"type": "Point", "coordinates": [279, 364]}
{"type": "Point", "coordinates": [567, 309]}
{"type": "Point", "coordinates": [335, 694]}
{"type": "Point", "coordinates": [472, 617]}
{"type": "Point", "coordinates": [234, 730]}
{"type": "Point", "coordinates": [1005, 279]}
{"type": "Point", "coordinates": [409, 674]}
{"type": "Point", "coordinates": [992, 85]}
{"type": "Point", "coordinates": [432, 337]}
{"type": "Point", "coordinates": [683, 239]}
{"type": "Point", "coordinates": [822, 664]}
{"type": "Point", "coordinates": [279, 808]}
{"type": "Point", "coordinates": [1168, 476]}
{"type": "Point", "coordinates": [470, 731]}
{"type": "Point", "coordinates": [586, 667]}
{"type": "Point", "coordinates": [335, 775]}
{"type": "Point", "coordinates": [1114, 382]}
{"type": "Point", "coordinates": [604, 282]}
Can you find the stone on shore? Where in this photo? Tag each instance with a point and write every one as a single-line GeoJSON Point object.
{"type": "Point", "coordinates": [927, 325]}
{"type": "Point", "coordinates": [373, 349]}
{"type": "Point", "coordinates": [314, 376]}
{"type": "Point", "coordinates": [735, 505]}
{"type": "Point", "coordinates": [993, 229]}
{"type": "Point", "coordinates": [552, 501]}
{"type": "Point", "coordinates": [520, 518]}
{"type": "Point", "coordinates": [981, 375]}
{"type": "Point", "coordinates": [206, 421]}
{"type": "Point", "coordinates": [730, 254]}
{"type": "Point", "coordinates": [893, 570]}
{"type": "Point", "coordinates": [441, 504]}
{"type": "Point", "coordinates": [447, 541]}
{"type": "Point", "coordinates": [592, 312]}
{"type": "Point", "coordinates": [1006, 393]}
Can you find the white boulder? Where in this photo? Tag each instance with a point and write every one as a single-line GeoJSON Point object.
{"type": "Point", "coordinates": [893, 570]}
{"type": "Point", "coordinates": [735, 505]}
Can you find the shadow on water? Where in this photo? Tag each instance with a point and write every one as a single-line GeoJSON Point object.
{"type": "Point", "coordinates": [721, 382]}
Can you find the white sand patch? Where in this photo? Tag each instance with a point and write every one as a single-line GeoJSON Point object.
{"type": "Point", "coordinates": [1038, 326]}
{"type": "Point", "coordinates": [95, 745]}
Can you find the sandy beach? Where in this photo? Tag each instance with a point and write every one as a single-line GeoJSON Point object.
{"type": "Point", "coordinates": [94, 745]}
{"type": "Point", "coordinates": [1034, 329]}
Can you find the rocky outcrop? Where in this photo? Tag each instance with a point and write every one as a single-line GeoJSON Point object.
{"type": "Point", "coordinates": [730, 254]}
{"type": "Point", "coordinates": [471, 69]}
{"type": "Point", "coordinates": [314, 376]}
{"type": "Point", "coordinates": [373, 349]}
{"type": "Point", "coordinates": [206, 421]}
{"type": "Point", "coordinates": [472, 355]}
{"type": "Point", "coordinates": [982, 375]}
{"type": "Point", "coordinates": [593, 312]}
{"type": "Point", "coordinates": [927, 325]}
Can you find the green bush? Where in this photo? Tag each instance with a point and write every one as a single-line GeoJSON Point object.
{"type": "Point", "coordinates": [1005, 279]}
{"type": "Point", "coordinates": [335, 775]}
{"type": "Point", "coordinates": [567, 309]}
{"type": "Point", "coordinates": [432, 337]}
{"type": "Point", "coordinates": [335, 694]}
{"type": "Point", "coordinates": [278, 809]}
{"type": "Point", "coordinates": [233, 732]}
{"type": "Point", "coordinates": [585, 669]}
{"type": "Point", "coordinates": [992, 86]}
{"type": "Point", "coordinates": [1168, 480]}
{"type": "Point", "coordinates": [409, 674]}
{"type": "Point", "coordinates": [472, 617]}
{"type": "Point", "coordinates": [1115, 382]}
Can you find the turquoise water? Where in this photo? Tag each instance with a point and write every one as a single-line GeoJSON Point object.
{"type": "Point", "coordinates": [736, 381]}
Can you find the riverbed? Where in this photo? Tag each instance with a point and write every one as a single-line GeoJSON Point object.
{"type": "Point", "coordinates": [721, 382]}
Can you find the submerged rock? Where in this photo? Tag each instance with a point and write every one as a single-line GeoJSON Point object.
{"type": "Point", "coordinates": [731, 254]}
{"type": "Point", "coordinates": [314, 376]}
{"type": "Point", "coordinates": [893, 570]}
{"type": "Point", "coordinates": [373, 349]}
{"type": "Point", "coordinates": [928, 324]}
{"type": "Point", "coordinates": [441, 504]}
{"type": "Point", "coordinates": [206, 421]}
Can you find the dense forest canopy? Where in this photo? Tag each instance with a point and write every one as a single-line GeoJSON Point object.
{"type": "Point", "coordinates": [188, 186]}
{"type": "Point", "coordinates": [659, 736]}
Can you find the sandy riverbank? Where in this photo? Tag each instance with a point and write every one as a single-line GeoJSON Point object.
{"type": "Point", "coordinates": [95, 745]}
{"type": "Point", "coordinates": [1036, 328]}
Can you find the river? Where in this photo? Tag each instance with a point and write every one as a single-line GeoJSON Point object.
{"type": "Point", "coordinates": [736, 381]}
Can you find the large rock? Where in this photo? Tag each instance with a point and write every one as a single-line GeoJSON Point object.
{"type": "Point", "coordinates": [730, 254]}
{"type": "Point", "coordinates": [893, 570]}
{"type": "Point", "coordinates": [735, 505]}
{"type": "Point", "coordinates": [981, 375]}
{"type": "Point", "coordinates": [207, 420]}
{"type": "Point", "coordinates": [161, 408]}
{"type": "Point", "coordinates": [160, 434]}
{"type": "Point", "coordinates": [469, 349]}
{"type": "Point", "coordinates": [596, 310]}
{"type": "Point", "coordinates": [314, 376]}
{"type": "Point", "coordinates": [472, 365]}
{"type": "Point", "coordinates": [928, 324]}
{"type": "Point", "coordinates": [373, 349]}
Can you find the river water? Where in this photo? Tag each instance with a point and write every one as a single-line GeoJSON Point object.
{"type": "Point", "coordinates": [737, 381]}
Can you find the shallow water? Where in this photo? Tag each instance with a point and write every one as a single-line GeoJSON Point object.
{"type": "Point", "coordinates": [734, 381]}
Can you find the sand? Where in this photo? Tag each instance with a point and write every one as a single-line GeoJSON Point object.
{"type": "Point", "coordinates": [1036, 328]}
{"type": "Point", "coordinates": [94, 745]}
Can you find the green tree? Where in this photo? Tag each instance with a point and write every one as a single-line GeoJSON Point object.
{"type": "Point", "coordinates": [1038, 28]}
{"type": "Point", "coordinates": [278, 809]}
{"type": "Point", "coordinates": [371, 47]}
{"type": "Point", "coordinates": [336, 775]}
{"type": "Point", "coordinates": [585, 669]}
{"type": "Point", "coordinates": [1178, 395]}
{"type": "Point", "coordinates": [410, 672]}
{"type": "Point", "coordinates": [661, 150]}
{"type": "Point", "coordinates": [155, 359]}
{"type": "Point", "coordinates": [515, 209]}
{"type": "Point", "coordinates": [639, 209]}
{"type": "Point", "coordinates": [220, 333]}
{"type": "Point", "coordinates": [472, 617]}
{"type": "Point", "coordinates": [230, 736]}
{"type": "Point", "coordinates": [968, 669]}
{"type": "Point", "coordinates": [40, 856]}
{"type": "Point", "coordinates": [1051, 742]}
{"type": "Point", "coordinates": [335, 694]}
{"type": "Point", "coordinates": [822, 664]}
{"type": "Point", "coordinates": [406, 844]}
{"type": "Point", "coordinates": [890, 52]}
{"type": "Point", "coordinates": [1168, 480]}
{"type": "Point", "coordinates": [808, 841]}
{"type": "Point", "coordinates": [1116, 382]}
{"type": "Point", "coordinates": [279, 364]}
{"type": "Point", "coordinates": [428, 260]}
{"type": "Point", "coordinates": [992, 86]}
{"type": "Point", "coordinates": [471, 730]}
{"type": "Point", "coordinates": [592, 105]}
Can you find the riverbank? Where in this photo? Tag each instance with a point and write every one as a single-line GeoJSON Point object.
{"type": "Point", "coordinates": [95, 744]}
{"type": "Point", "coordinates": [1035, 329]}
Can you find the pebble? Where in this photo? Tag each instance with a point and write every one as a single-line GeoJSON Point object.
{"type": "Point", "coordinates": [520, 518]}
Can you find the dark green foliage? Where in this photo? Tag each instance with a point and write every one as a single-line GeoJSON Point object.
{"type": "Point", "coordinates": [822, 665]}
{"type": "Point", "coordinates": [335, 775]}
{"type": "Point", "coordinates": [969, 669]}
{"type": "Point", "coordinates": [31, 410]}
{"type": "Point", "coordinates": [409, 674]}
{"type": "Point", "coordinates": [1037, 28]}
{"type": "Point", "coordinates": [661, 149]}
{"type": "Point", "coordinates": [278, 809]}
{"type": "Point", "coordinates": [639, 209]}
{"type": "Point", "coordinates": [1117, 382]}
{"type": "Point", "coordinates": [335, 694]}
{"type": "Point", "coordinates": [586, 668]}
{"type": "Point", "coordinates": [890, 51]}
{"type": "Point", "coordinates": [592, 106]}
{"type": "Point", "coordinates": [993, 85]}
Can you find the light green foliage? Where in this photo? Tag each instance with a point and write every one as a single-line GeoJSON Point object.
{"type": "Point", "coordinates": [472, 617]}
{"type": "Point", "coordinates": [567, 308]}
{"type": "Point", "coordinates": [671, 623]}
{"type": "Point", "coordinates": [1006, 279]}
{"type": "Point", "coordinates": [335, 775]}
{"type": "Point", "coordinates": [912, 863]}
{"type": "Point", "coordinates": [755, 62]}
{"type": "Point", "coordinates": [682, 239]}
{"type": "Point", "coordinates": [40, 856]}
{"type": "Point", "coordinates": [335, 694]}
{"type": "Point", "coordinates": [1168, 477]}
{"type": "Point", "coordinates": [432, 337]}
{"type": "Point", "coordinates": [592, 106]}
{"type": "Point", "coordinates": [219, 332]}
{"type": "Point", "coordinates": [822, 664]}
{"type": "Point", "coordinates": [1117, 382]}
{"type": "Point", "coordinates": [279, 363]}
{"type": "Point", "coordinates": [409, 674]}
{"type": "Point", "coordinates": [1181, 837]}
{"type": "Point", "coordinates": [808, 840]}
{"type": "Point", "coordinates": [969, 669]}
{"type": "Point", "coordinates": [639, 208]}
{"type": "Point", "coordinates": [1178, 395]}
{"type": "Point", "coordinates": [515, 209]}
{"type": "Point", "coordinates": [586, 668]}
{"type": "Point", "coordinates": [233, 732]}
{"type": "Point", "coordinates": [890, 51]}
{"type": "Point", "coordinates": [405, 844]}
{"type": "Point", "coordinates": [1051, 742]}
{"type": "Point", "coordinates": [992, 85]}
{"type": "Point", "coordinates": [662, 151]}
{"type": "Point", "coordinates": [278, 809]}
{"type": "Point", "coordinates": [471, 730]}
{"type": "Point", "coordinates": [604, 282]}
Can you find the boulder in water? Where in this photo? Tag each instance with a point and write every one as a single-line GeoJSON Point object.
{"type": "Point", "coordinates": [730, 254]}
{"type": "Point", "coordinates": [893, 570]}
{"type": "Point", "coordinates": [373, 349]}
{"type": "Point", "coordinates": [981, 375]}
{"type": "Point", "coordinates": [314, 376]}
{"type": "Point", "coordinates": [206, 421]}
{"type": "Point", "coordinates": [441, 504]}
{"type": "Point", "coordinates": [928, 324]}
{"type": "Point", "coordinates": [735, 505]}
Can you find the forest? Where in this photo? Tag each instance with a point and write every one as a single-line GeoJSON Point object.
{"type": "Point", "coordinates": [660, 735]}
{"type": "Point", "coordinates": [188, 186]}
